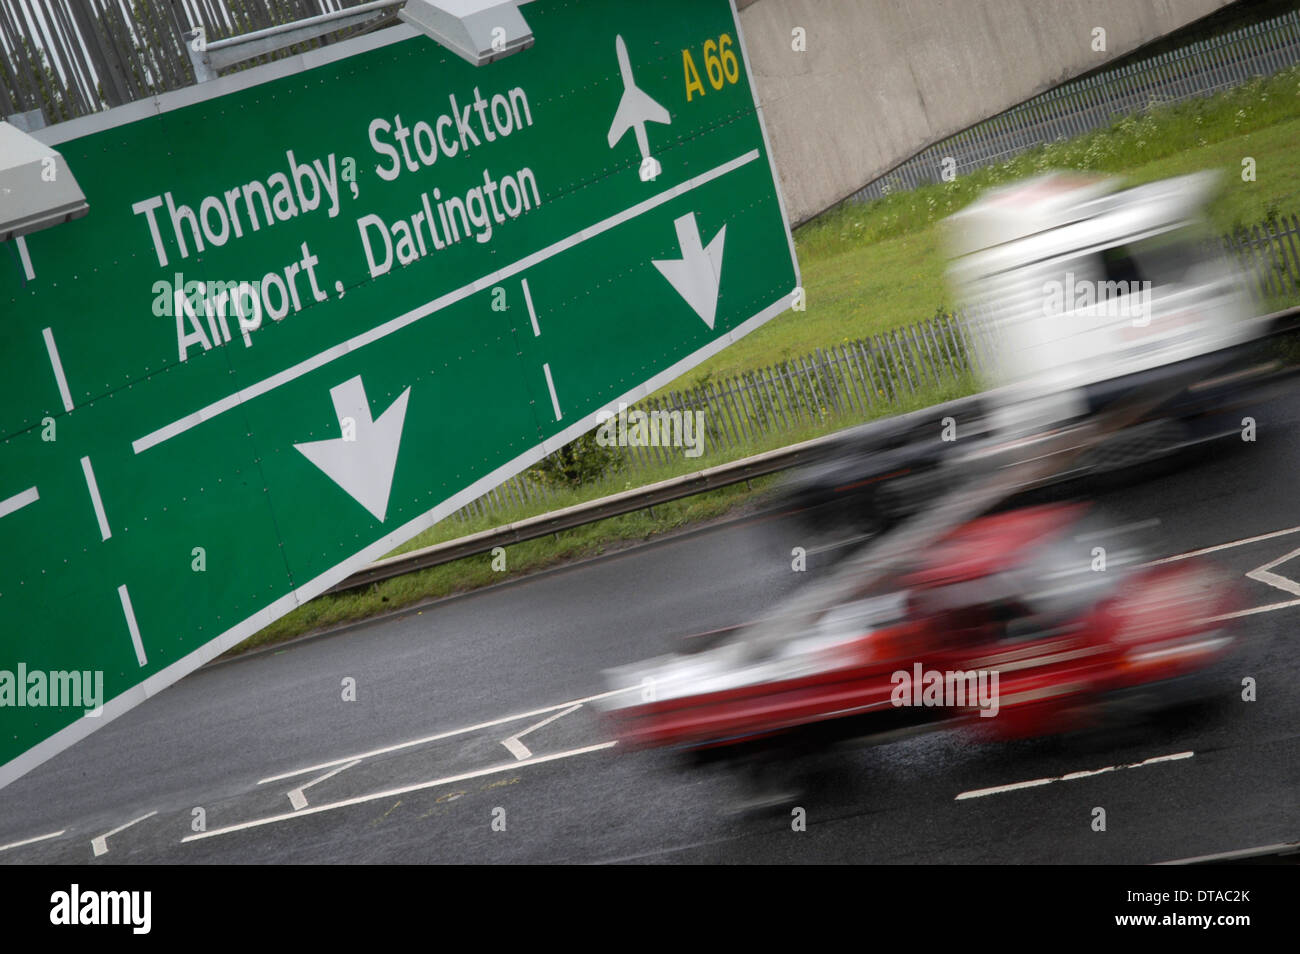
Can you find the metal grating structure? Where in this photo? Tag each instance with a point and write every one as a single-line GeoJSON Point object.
{"type": "Point", "coordinates": [70, 58]}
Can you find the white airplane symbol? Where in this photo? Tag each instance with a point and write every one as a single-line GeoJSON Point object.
{"type": "Point", "coordinates": [635, 109]}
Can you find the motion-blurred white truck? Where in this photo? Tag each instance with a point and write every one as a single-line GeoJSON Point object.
{"type": "Point", "coordinates": [1078, 295]}
{"type": "Point", "coordinates": [1069, 283]}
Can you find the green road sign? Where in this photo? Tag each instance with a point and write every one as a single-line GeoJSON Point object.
{"type": "Point", "coordinates": [401, 280]}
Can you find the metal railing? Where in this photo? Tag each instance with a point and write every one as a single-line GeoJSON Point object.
{"type": "Point", "coordinates": [1270, 252]}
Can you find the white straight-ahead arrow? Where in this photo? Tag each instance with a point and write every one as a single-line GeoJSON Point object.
{"type": "Point", "coordinates": [363, 459]}
{"type": "Point", "coordinates": [696, 274]}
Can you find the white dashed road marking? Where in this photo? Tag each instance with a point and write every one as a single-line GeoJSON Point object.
{"type": "Point", "coordinates": [1072, 776]}
{"type": "Point", "coordinates": [32, 841]}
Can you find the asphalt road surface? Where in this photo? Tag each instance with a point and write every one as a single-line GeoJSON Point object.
{"type": "Point", "coordinates": [473, 737]}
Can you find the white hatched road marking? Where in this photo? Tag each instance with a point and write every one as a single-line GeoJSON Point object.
{"type": "Point", "coordinates": [396, 792]}
{"type": "Point", "coordinates": [99, 844]}
{"type": "Point", "coordinates": [439, 736]}
{"type": "Point", "coordinates": [518, 749]}
{"type": "Point", "coordinates": [299, 800]}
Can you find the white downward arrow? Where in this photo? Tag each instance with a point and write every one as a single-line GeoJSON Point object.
{"type": "Point", "coordinates": [363, 459]}
{"type": "Point", "coordinates": [695, 275]}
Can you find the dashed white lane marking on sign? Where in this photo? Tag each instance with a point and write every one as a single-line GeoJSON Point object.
{"type": "Point", "coordinates": [396, 792]}
{"type": "Point", "coordinates": [100, 844]}
{"type": "Point", "coordinates": [1072, 776]}
{"type": "Point", "coordinates": [532, 312]}
{"type": "Point", "coordinates": [59, 377]}
{"type": "Point", "coordinates": [26, 258]}
{"type": "Point", "coordinates": [437, 737]}
{"type": "Point", "coordinates": [518, 749]}
{"type": "Point", "coordinates": [18, 501]}
{"type": "Point", "coordinates": [550, 384]}
{"type": "Point", "coordinates": [32, 841]}
{"type": "Point", "coordinates": [131, 624]}
{"type": "Point", "coordinates": [95, 500]}
{"type": "Point", "coordinates": [180, 426]}
{"type": "Point", "coordinates": [296, 797]}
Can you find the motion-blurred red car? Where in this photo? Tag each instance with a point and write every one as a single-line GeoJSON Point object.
{"type": "Point", "coordinates": [1027, 622]}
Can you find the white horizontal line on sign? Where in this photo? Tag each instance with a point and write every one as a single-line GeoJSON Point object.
{"type": "Point", "coordinates": [167, 432]}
